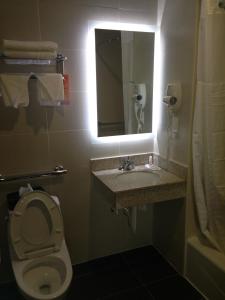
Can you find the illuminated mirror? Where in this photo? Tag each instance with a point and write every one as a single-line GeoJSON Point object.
{"type": "Point", "coordinates": [124, 72]}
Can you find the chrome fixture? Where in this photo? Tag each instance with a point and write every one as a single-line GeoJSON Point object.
{"type": "Point", "coordinates": [126, 164]}
{"type": "Point", "coordinates": [29, 65]}
{"type": "Point", "coordinates": [58, 170]}
{"type": "Point", "coordinates": [32, 61]}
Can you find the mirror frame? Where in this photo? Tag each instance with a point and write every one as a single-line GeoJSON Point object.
{"type": "Point", "coordinates": [92, 80]}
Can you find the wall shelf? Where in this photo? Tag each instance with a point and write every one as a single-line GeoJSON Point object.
{"type": "Point", "coordinates": [25, 65]}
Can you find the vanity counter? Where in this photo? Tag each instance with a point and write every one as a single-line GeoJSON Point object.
{"type": "Point", "coordinates": [141, 185]}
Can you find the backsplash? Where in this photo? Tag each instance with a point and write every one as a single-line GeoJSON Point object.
{"type": "Point", "coordinates": [114, 162]}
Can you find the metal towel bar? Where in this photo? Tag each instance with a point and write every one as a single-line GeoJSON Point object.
{"type": "Point", "coordinates": [58, 170]}
{"type": "Point", "coordinates": [32, 61]}
{"type": "Point", "coordinates": [28, 65]}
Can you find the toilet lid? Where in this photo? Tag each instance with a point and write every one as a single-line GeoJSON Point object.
{"type": "Point", "coordinates": [36, 226]}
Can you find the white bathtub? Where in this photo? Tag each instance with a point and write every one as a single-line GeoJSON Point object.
{"type": "Point", "coordinates": [206, 269]}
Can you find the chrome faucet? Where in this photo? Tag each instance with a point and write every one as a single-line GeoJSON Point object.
{"type": "Point", "coordinates": [126, 164]}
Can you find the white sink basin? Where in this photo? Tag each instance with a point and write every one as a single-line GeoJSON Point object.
{"type": "Point", "coordinates": [141, 186]}
{"type": "Point", "coordinates": [140, 176]}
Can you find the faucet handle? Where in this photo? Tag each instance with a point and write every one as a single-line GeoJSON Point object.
{"type": "Point", "coordinates": [151, 159]}
{"type": "Point", "coordinates": [126, 164]}
{"type": "Point", "coordinates": [122, 163]}
{"type": "Point", "coordinates": [121, 167]}
{"type": "Point", "coordinates": [129, 164]}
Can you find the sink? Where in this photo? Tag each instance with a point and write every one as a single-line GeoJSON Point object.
{"type": "Point", "coordinates": [139, 186]}
{"type": "Point", "coordinates": [144, 177]}
{"type": "Point", "coordinates": [140, 177]}
{"type": "Point", "coordinates": [128, 190]}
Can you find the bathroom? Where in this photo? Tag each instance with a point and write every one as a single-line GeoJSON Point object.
{"type": "Point", "coordinates": [37, 138]}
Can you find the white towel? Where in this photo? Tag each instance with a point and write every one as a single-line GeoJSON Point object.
{"type": "Point", "coordinates": [30, 54]}
{"type": "Point", "coordinates": [14, 88]}
{"type": "Point", "coordinates": [29, 45]}
{"type": "Point", "coordinates": [51, 89]}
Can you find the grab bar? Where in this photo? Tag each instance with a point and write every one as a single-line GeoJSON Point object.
{"type": "Point", "coordinates": [58, 170]}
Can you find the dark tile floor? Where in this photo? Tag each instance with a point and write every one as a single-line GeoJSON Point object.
{"type": "Point", "coordinates": [138, 274]}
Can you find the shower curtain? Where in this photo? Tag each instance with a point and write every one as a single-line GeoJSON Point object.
{"type": "Point", "coordinates": [208, 143]}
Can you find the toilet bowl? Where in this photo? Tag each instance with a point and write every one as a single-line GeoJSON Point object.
{"type": "Point", "coordinates": [39, 256]}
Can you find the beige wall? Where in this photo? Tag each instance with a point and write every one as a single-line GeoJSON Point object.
{"type": "Point", "coordinates": [178, 40]}
{"type": "Point", "coordinates": [38, 138]}
{"type": "Point", "coordinates": [178, 27]}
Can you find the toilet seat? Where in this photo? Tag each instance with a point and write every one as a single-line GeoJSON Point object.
{"type": "Point", "coordinates": [36, 226]}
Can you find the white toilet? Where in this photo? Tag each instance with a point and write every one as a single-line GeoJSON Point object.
{"type": "Point", "coordinates": [39, 256]}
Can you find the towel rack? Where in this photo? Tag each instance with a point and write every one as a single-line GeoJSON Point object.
{"type": "Point", "coordinates": [26, 62]}
{"type": "Point", "coordinates": [57, 171]}
{"type": "Point", "coordinates": [32, 61]}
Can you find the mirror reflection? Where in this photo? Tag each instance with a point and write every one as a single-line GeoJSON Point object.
{"type": "Point", "coordinates": [124, 72]}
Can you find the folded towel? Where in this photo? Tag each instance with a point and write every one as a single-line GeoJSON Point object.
{"type": "Point", "coordinates": [30, 54]}
{"type": "Point", "coordinates": [51, 89]}
{"type": "Point", "coordinates": [29, 45]}
{"type": "Point", "coordinates": [14, 88]}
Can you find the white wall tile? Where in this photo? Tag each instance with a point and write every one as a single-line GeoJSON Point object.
{"type": "Point", "coordinates": [99, 150]}
{"type": "Point", "coordinates": [24, 153]}
{"type": "Point", "coordinates": [77, 68]}
{"type": "Point", "coordinates": [178, 48]}
{"type": "Point", "coordinates": [101, 3]}
{"type": "Point", "coordinates": [139, 146]}
{"type": "Point", "coordinates": [19, 20]}
{"type": "Point", "coordinates": [64, 22]}
{"type": "Point", "coordinates": [148, 5]}
{"type": "Point", "coordinates": [138, 17]}
{"type": "Point", "coordinates": [72, 116]}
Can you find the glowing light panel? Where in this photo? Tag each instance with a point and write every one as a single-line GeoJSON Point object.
{"type": "Point", "coordinates": [91, 79]}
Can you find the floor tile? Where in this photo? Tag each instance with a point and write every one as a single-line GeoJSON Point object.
{"type": "Point", "coordinates": [140, 256]}
{"type": "Point", "coordinates": [9, 292]}
{"type": "Point", "coordinates": [83, 288]}
{"type": "Point", "coordinates": [133, 294]}
{"type": "Point", "coordinates": [148, 265]}
{"type": "Point", "coordinates": [174, 288]}
{"type": "Point", "coordinates": [102, 281]}
{"type": "Point", "coordinates": [139, 274]}
{"type": "Point", "coordinates": [100, 265]}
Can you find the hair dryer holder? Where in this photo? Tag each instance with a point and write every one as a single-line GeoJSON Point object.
{"type": "Point", "coordinates": [173, 96]}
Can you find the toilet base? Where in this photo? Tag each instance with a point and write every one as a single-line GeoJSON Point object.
{"type": "Point", "coordinates": [44, 278]}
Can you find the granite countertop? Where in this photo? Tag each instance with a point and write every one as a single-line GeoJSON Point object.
{"type": "Point", "coordinates": [140, 178]}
